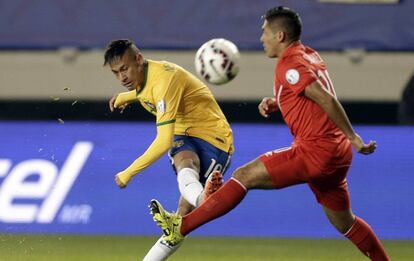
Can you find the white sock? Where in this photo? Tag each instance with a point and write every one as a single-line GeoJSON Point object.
{"type": "Point", "coordinates": [189, 185]}
{"type": "Point", "coordinates": [160, 251]}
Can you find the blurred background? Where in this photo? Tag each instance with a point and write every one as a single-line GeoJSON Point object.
{"type": "Point", "coordinates": [60, 146]}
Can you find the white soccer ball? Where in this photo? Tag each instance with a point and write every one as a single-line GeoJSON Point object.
{"type": "Point", "coordinates": [217, 61]}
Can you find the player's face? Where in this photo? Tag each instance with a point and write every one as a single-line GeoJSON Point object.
{"type": "Point", "coordinates": [129, 70]}
{"type": "Point", "coordinates": [269, 40]}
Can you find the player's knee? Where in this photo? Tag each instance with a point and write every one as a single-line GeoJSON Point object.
{"type": "Point", "coordinates": [342, 223]}
{"type": "Point", "coordinates": [188, 163]}
{"type": "Point", "coordinates": [186, 159]}
{"type": "Point", "coordinates": [244, 176]}
{"type": "Point", "coordinates": [342, 227]}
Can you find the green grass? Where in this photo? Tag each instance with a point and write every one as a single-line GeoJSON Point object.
{"type": "Point", "coordinates": [102, 248]}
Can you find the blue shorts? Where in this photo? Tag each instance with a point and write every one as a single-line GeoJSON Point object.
{"type": "Point", "coordinates": [211, 158]}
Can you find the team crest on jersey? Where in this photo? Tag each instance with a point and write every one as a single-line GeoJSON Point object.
{"type": "Point", "coordinates": [178, 143]}
{"type": "Point", "coordinates": [292, 76]}
{"type": "Point", "coordinates": [161, 106]}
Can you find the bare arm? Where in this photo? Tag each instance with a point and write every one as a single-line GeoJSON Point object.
{"type": "Point", "coordinates": [336, 113]}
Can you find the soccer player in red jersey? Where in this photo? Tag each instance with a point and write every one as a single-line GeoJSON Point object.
{"type": "Point", "coordinates": [320, 155]}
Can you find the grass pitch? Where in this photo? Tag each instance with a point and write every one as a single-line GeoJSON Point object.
{"type": "Point", "coordinates": [111, 248]}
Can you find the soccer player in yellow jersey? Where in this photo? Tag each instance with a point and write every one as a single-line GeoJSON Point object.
{"type": "Point", "coordinates": [190, 124]}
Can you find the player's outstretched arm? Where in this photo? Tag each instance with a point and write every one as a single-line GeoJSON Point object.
{"type": "Point", "coordinates": [337, 114]}
{"type": "Point", "coordinates": [159, 146]}
{"type": "Point", "coordinates": [267, 105]}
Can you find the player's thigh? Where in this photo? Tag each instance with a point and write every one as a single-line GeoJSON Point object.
{"type": "Point", "coordinates": [286, 166]}
{"type": "Point", "coordinates": [186, 159]}
{"type": "Point", "coordinates": [331, 190]}
{"type": "Point", "coordinates": [183, 154]}
{"type": "Point", "coordinates": [254, 175]}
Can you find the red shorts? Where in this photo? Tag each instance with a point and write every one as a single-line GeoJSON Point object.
{"type": "Point", "coordinates": [324, 171]}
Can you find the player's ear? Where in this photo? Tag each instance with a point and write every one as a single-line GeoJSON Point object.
{"type": "Point", "coordinates": [139, 58]}
{"type": "Point", "coordinates": [280, 36]}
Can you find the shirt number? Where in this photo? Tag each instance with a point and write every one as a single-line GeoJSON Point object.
{"type": "Point", "coordinates": [326, 81]}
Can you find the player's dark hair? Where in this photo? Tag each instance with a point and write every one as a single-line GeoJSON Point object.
{"type": "Point", "coordinates": [288, 19]}
{"type": "Point", "coordinates": [116, 49]}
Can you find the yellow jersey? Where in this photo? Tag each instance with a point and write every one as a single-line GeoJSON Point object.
{"type": "Point", "coordinates": [183, 105]}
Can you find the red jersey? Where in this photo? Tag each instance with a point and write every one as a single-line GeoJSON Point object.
{"type": "Point", "coordinates": [311, 126]}
{"type": "Point", "coordinates": [298, 67]}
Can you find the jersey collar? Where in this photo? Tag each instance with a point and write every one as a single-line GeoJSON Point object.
{"type": "Point", "coordinates": [291, 48]}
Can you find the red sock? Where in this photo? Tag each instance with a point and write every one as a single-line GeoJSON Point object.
{"type": "Point", "coordinates": [218, 204]}
{"type": "Point", "coordinates": [362, 235]}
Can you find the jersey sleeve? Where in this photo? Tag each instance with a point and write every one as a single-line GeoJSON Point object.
{"type": "Point", "coordinates": [296, 75]}
{"type": "Point", "coordinates": [125, 98]}
{"type": "Point", "coordinates": [159, 146]}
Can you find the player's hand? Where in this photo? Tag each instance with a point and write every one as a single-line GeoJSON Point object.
{"type": "Point", "coordinates": [119, 182]}
{"type": "Point", "coordinates": [267, 105]}
{"type": "Point", "coordinates": [112, 105]}
{"type": "Point", "coordinates": [361, 147]}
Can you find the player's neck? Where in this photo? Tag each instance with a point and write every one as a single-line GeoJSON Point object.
{"type": "Point", "coordinates": [142, 77]}
{"type": "Point", "coordinates": [287, 46]}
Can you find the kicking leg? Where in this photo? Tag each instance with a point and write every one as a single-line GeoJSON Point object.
{"type": "Point", "coordinates": [187, 165]}
{"type": "Point", "coordinates": [359, 232]}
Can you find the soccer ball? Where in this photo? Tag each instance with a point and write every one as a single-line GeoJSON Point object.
{"type": "Point", "coordinates": [217, 61]}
